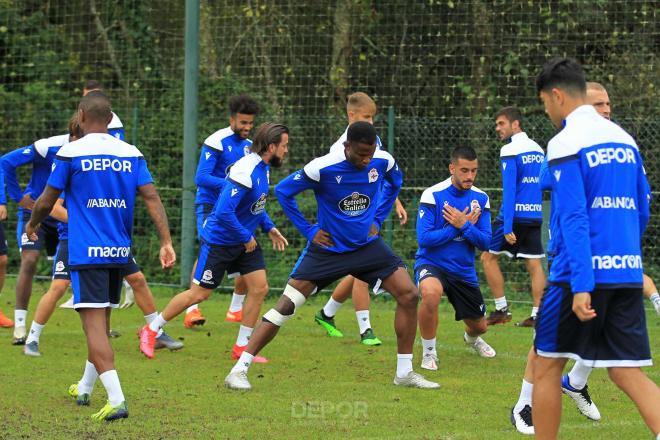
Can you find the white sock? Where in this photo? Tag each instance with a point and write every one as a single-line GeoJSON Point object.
{"type": "Point", "coordinates": [150, 317]}
{"type": "Point", "coordinates": [500, 303]}
{"type": "Point", "coordinates": [331, 308]}
{"type": "Point", "coordinates": [403, 364]}
{"type": "Point", "coordinates": [126, 285]}
{"type": "Point", "coordinates": [535, 311]}
{"type": "Point", "coordinates": [244, 334]}
{"type": "Point", "coordinates": [525, 396]}
{"type": "Point", "coordinates": [191, 308]}
{"type": "Point", "coordinates": [19, 318]}
{"type": "Point", "coordinates": [35, 332]}
{"type": "Point", "coordinates": [243, 363]}
{"type": "Point", "coordinates": [655, 299]}
{"type": "Point", "coordinates": [363, 320]}
{"type": "Point", "coordinates": [470, 339]}
{"type": "Point", "coordinates": [87, 381]}
{"type": "Point", "coordinates": [158, 323]}
{"type": "Point", "coordinates": [429, 346]}
{"type": "Point", "coordinates": [110, 381]}
{"type": "Point", "coordinates": [579, 375]}
{"type": "Point", "coordinates": [236, 302]}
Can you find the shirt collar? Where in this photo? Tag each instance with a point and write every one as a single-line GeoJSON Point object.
{"type": "Point", "coordinates": [519, 136]}
{"type": "Point", "coordinates": [583, 110]}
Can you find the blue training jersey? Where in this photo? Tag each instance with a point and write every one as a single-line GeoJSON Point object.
{"type": "Point", "coordinates": [63, 227]}
{"type": "Point", "coordinates": [100, 175]}
{"type": "Point", "coordinates": [600, 195]}
{"type": "Point", "coordinates": [445, 246]}
{"type": "Point", "coordinates": [545, 180]}
{"type": "Point", "coordinates": [522, 200]}
{"type": "Point", "coordinates": [242, 204]}
{"type": "Point", "coordinates": [116, 128]}
{"type": "Point", "coordinates": [349, 200]}
{"type": "Point", "coordinates": [219, 152]}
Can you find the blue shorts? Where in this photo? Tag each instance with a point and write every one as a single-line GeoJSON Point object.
{"type": "Point", "coordinates": [61, 263]}
{"type": "Point", "coordinates": [467, 300]}
{"type": "Point", "coordinates": [528, 241]}
{"type": "Point", "coordinates": [202, 212]}
{"type": "Point", "coordinates": [371, 263]}
{"type": "Point", "coordinates": [47, 234]}
{"type": "Point", "coordinates": [616, 337]}
{"type": "Point", "coordinates": [215, 260]}
{"type": "Point", "coordinates": [96, 288]}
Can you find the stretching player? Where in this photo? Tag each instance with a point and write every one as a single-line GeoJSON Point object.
{"type": "Point", "coordinates": [102, 168]}
{"type": "Point", "coordinates": [593, 308]}
{"type": "Point", "coordinates": [454, 218]}
{"type": "Point", "coordinates": [359, 107]}
{"type": "Point", "coordinates": [219, 152]}
{"type": "Point", "coordinates": [4, 321]}
{"type": "Point", "coordinates": [517, 229]}
{"type": "Point", "coordinates": [350, 212]}
{"type": "Point", "coordinates": [228, 243]}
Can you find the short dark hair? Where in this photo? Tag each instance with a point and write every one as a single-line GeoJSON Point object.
{"type": "Point", "coordinates": [362, 132]}
{"type": "Point", "coordinates": [243, 104]}
{"type": "Point", "coordinates": [268, 133]}
{"type": "Point", "coordinates": [463, 152]}
{"type": "Point", "coordinates": [563, 73]}
{"type": "Point", "coordinates": [511, 113]}
{"type": "Point", "coordinates": [96, 106]}
{"type": "Point", "coordinates": [93, 84]}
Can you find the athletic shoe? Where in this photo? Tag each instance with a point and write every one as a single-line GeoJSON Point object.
{"type": "Point", "coordinates": [20, 335]}
{"type": "Point", "coordinates": [166, 341]}
{"type": "Point", "coordinates": [81, 399]}
{"type": "Point", "coordinates": [68, 304]}
{"type": "Point", "coordinates": [368, 338]}
{"type": "Point", "coordinates": [529, 322]}
{"type": "Point", "coordinates": [328, 324]}
{"type": "Point", "coordinates": [237, 380]}
{"type": "Point", "coordinates": [109, 413]}
{"type": "Point", "coordinates": [430, 361]}
{"type": "Point", "coordinates": [234, 316]}
{"type": "Point", "coordinates": [32, 349]}
{"type": "Point", "coordinates": [114, 333]}
{"type": "Point", "coordinates": [238, 350]}
{"type": "Point", "coordinates": [415, 380]}
{"type": "Point", "coordinates": [522, 420]}
{"type": "Point", "coordinates": [194, 318]}
{"type": "Point", "coordinates": [581, 398]}
{"type": "Point", "coordinates": [499, 317]}
{"type": "Point", "coordinates": [147, 341]}
{"type": "Point", "coordinates": [482, 348]}
{"type": "Point", "coordinates": [5, 322]}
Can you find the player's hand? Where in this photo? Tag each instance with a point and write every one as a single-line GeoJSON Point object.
{"type": "Point", "coordinates": [582, 306]}
{"type": "Point", "coordinates": [455, 217]}
{"type": "Point", "coordinates": [129, 298]}
{"type": "Point", "coordinates": [3, 212]}
{"type": "Point", "coordinates": [401, 212]}
{"type": "Point", "coordinates": [167, 256]}
{"type": "Point", "coordinates": [31, 231]}
{"type": "Point", "coordinates": [510, 238]}
{"type": "Point", "coordinates": [373, 230]}
{"type": "Point", "coordinates": [251, 245]}
{"type": "Point", "coordinates": [473, 217]}
{"type": "Point", "coordinates": [26, 202]}
{"type": "Point", "coordinates": [323, 239]}
{"type": "Point", "coordinates": [279, 242]}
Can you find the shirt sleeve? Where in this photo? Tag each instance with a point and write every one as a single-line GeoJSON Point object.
{"type": "Point", "coordinates": [509, 175]}
{"type": "Point", "coordinates": [427, 233]}
{"type": "Point", "coordinates": [545, 180]}
{"type": "Point", "coordinates": [643, 198]}
{"type": "Point", "coordinates": [117, 133]}
{"type": "Point", "coordinates": [61, 171]}
{"type": "Point", "coordinates": [204, 176]}
{"type": "Point", "coordinates": [391, 188]}
{"type": "Point", "coordinates": [286, 192]}
{"type": "Point", "coordinates": [225, 210]}
{"type": "Point", "coordinates": [10, 162]}
{"type": "Point", "coordinates": [144, 176]}
{"type": "Point", "coordinates": [266, 223]}
{"type": "Point", "coordinates": [3, 196]}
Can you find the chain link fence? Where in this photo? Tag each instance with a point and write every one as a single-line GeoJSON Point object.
{"type": "Point", "coordinates": [445, 67]}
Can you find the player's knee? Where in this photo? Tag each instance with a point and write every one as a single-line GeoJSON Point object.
{"type": "Point", "coordinates": [430, 296]}
{"type": "Point", "coordinates": [617, 375]}
{"type": "Point", "coordinates": [29, 259]}
{"type": "Point", "coordinates": [260, 291]}
{"type": "Point", "coordinates": [408, 296]}
{"type": "Point", "coordinates": [487, 257]}
{"type": "Point", "coordinates": [199, 295]}
{"type": "Point", "coordinates": [480, 326]}
{"type": "Point", "coordinates": [3, 262]}
{"type": "Point", "coordinates": [285, 307]}
{"type": "Point", "coordinates": [136, 280]}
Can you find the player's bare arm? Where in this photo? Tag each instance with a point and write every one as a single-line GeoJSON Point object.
{"type": "Point", "coordinates": [41, 209]}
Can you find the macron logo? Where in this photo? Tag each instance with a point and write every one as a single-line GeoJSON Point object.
{"type": "Point", "coordinates": [297, 177]}
{"type": "Point", "coordinates": [557, 175]}
{"type": "Point", "coordinates": [234, 191]}
{"type": "Point", "coordinates": [504, 166]}
{"type": "Point", "coordinates": [108, 252]}
{"type": "Point", "coordinates": [421, 214]}
{"type": "Point", "coordinates": [338, 179]}
{"type": "Point", "coordinates": [207, 155]}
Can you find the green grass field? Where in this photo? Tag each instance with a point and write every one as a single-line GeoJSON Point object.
{"type": "Point", "coordinates": [314, 387]}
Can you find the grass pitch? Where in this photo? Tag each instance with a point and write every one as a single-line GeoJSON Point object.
{"type": "Point", "coordinates": [314, 386]}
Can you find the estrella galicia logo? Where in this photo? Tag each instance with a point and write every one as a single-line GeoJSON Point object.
{"type": "Point", "coordinates": [354, 204]}
{"type": "Point", "coordinates": [259, 206]}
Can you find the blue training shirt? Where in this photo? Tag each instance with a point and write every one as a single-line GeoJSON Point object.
{"type": "Point", "coordinates": [349, 200]}
{"type": "Point", "coordinates": [101, 175]}
{"type": "Point", "coordinates": [600, 195]}
{"type": "Point", "coordinates": [445, 246]}
{"type": "Point", "coordinates": [242, 204]}
{"type": "Point", "coordinates": [219, 152]}
{"type": "Point", "coordinates": [116, 128]}
{"type": "Point", "coordinates": [522, 199]}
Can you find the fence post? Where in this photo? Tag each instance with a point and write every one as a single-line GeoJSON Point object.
{"type": "Point", "coordinates": [390, 149]}
{"type": "Point", "coordinates": [189, 140]}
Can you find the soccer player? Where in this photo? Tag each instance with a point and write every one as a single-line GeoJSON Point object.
{"type": "Point", "coordinates": [100, 168]}
{"type": "Point", "coordinates": [4, 321]}
{"type": "Point", "coordinates": [219, 152]}
{"type": "Point", "coordinates": [517, 229]}
{"type": "Point", "coordinates": [454, 218]}
{"type": "Point", "coordinates": [593, 308]}
{"type": "Point", "coordinates": [228, 243]}
{"type": "Point", "coordinates": [350, 212]}
{"type": "Point", "coordinates": [40, 155]}
{"type": "Point", "coordinates": [359, 107]}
